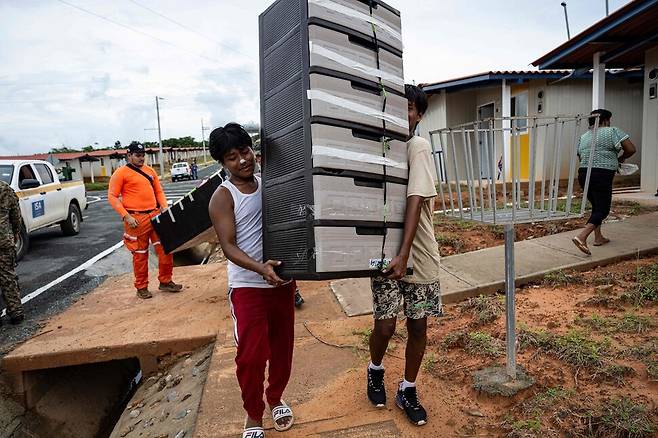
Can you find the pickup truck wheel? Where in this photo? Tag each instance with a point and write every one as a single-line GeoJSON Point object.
{"type": "Point", "coordinates": [22, 244]}
{"type": "Point", "coordinates": [71, 226]}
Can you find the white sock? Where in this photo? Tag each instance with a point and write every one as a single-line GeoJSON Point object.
{"type": "Point", "coordinates": [404, 385]}
{"type": "Point", "coordinates": [379, 367]}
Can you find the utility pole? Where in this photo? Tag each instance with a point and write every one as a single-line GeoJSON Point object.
{"type": "Point", "coordinates": [203, 139]}
{"type": "Point", "coordinates": [566, 18]}
{"type": "Point", "coordinates": [157, 110]}
{"type": "Point", "coordinates": [607, 8]}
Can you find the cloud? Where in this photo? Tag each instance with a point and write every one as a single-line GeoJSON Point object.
{"type": "Point", "coordinates": [72, 78]}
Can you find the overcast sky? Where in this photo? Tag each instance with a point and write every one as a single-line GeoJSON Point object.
{"type": "Point", "coordinates": [71, 78]}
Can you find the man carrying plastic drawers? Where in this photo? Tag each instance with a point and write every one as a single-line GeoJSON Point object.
{"type": "Point", "coordinates": [262, 305]}
{"type": "Point", "coordinates": [420, 292]}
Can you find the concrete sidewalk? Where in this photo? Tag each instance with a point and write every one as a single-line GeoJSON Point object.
{"type": "Point", "coordinates": [483, 272]}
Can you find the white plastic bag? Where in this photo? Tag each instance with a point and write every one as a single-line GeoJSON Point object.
{"type": "Point", "coordinates": [626, 169]}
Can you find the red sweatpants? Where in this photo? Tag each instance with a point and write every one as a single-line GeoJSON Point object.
{"type": "Point", "coordinates": [137, 242]}
{"type": "Point", "coordinates": [264, 322]}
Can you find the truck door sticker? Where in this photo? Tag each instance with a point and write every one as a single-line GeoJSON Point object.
{"type": "Point", "coordinates": [38, 209]}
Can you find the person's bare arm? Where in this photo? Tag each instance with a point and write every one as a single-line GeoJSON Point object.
{"type": "Point", "coordinates": [629, 150]}
{"type": "Point", "coordinates": [223, 220]}
{"type": "Point", "coordinates": [398, 266]}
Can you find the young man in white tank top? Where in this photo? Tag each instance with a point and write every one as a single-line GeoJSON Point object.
{"type": "Point", "coordinates": [262, 304]}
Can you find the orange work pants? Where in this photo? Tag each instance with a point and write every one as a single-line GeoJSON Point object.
{"type": "Point", "coordinates": [137, 242]}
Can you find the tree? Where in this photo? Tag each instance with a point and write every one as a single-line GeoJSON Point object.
{"type": "Point", "coordinates": [89, 148]}
{"type": "Point", "coordinates": [117, 144]}
{"type": "Point", "coordinates": [181, 142]}
{"type": "Point", "coordinates": [61, 150]}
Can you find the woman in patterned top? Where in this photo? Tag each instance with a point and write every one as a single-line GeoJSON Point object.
{"type": "Point", "coordinates": [610, 141]}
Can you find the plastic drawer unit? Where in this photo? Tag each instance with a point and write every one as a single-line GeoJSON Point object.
{"type": "Point", "coordinates": [354, 55]}
{"type": "Point", "coordinates": [356, 15]}
{"type": "Point", "coordinates": [186, 223]}
{"type": "Point", "coordinates": [334, 129]}
{"type": "Point", "coordinates": [334, 252]}
{"type": "Point", "coordinates": [336, 200]}
{"type": "Point", "coordinates": [342, 99]}
{"type": "Point", "coordinates": [357, 150]}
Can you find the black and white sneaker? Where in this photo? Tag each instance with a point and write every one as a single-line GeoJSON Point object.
{"type": "Point", "coordinates": [407, 400]}
{"type": "Point", "coordinates": [376, 390]}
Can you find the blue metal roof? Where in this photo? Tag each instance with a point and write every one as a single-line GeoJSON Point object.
{"type": "Point", "coordinates": [630, 28]}
{"type": "Point", "coordinates": [491, 78]}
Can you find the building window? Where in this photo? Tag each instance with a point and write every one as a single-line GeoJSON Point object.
{"type": "Point", "coordinates": [519, 108]}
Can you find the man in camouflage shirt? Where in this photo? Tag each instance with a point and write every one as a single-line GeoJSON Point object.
{"type": "Point", "coordinates": [10, 226]}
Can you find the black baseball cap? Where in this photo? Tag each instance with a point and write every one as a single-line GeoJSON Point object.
{"type": "Point", "coordinates": [136, 148]}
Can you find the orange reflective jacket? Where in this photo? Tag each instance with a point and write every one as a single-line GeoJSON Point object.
{"type": "Point", "coordinates": [135, 191]}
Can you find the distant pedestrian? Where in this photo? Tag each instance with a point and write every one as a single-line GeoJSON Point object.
{"type": "Point", "coordinates": [258, 168]}
{"type": "Point", "coordinates": [195, 169]}
{"type": "Point", "coordinates": [142, 198]}
{"type": "Point", "coordinates": [610, 141]}
{"type": "Point", "coordinates": [10, 227]}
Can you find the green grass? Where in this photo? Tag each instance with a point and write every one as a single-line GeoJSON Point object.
{"type": "Point", "coordinates": [477, 343]}
{"type": "Point", "coordinates": [449, 240]}
{"type": "Point", "coordinates": [635, 209]}
{"type": "Point", "coordinates": [364, 335]}
{"type": "Point", "coordinates": [574, 348]}
{"type": "Point", "coordinates": [605, 278]}
{"type": "Point", "coordinates": [623, 418]}
{"type": "Point", "coordinates": [562, 278]}
{"type": "Point", "coordinates": [652, 369]}
{"type": "Point", "coordinates": [547, 399]}
{"type": "Point", "coordinates": [632, 323]}
{"type": "Point", "coordinates": [533, 425]}
{"type": "Point", "coordinates": [485, 344]}
{"type": "Point", "coordinates": [92, 187]}
{"type": "Point", "coordinates": [429, 363]}
{"type": "Point", "coordinates": [614, 372]}
{"type": "Point", "coordinates": [485, 308]}
{"type": "Point", "coordinates": [629, 323]}
{"type": "Point", "coordinates": [576, 205]}
{"type": "Point", "coordinates": [646, 287]}
{"type": "Point", "coordinates": [647, 353]}
{"type": "Point", "coordinates": [647, 349]}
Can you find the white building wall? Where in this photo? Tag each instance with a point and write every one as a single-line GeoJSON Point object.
{"type": "Point", "coordinates": [435, 116]}
{"type": "Point", "coordinates": [623, 98]}
{"type": "Point", "coordinates": [650, 127]}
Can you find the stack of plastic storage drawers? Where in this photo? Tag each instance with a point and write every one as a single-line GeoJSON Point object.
{"type": "Point", "coordinates": [334, 125]}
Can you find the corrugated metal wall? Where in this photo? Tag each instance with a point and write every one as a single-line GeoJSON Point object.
{"type": "Point", "coordinates": [650, 136]}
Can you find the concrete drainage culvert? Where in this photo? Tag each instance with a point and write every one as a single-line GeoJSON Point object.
{"type": "Point", "coordinates": [166, 405]}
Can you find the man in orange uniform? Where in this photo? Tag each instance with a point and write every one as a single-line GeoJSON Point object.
{"type": "Point", "coordinates": [142, 198]}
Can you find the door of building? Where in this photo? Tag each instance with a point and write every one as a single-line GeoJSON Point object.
{"type": "Point", "coordinates": [486, 112]}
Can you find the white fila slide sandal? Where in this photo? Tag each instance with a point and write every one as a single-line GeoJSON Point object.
{"type": "Point", "coordinates": [253, 432]}
{"type": "Point", "coordinates": [281, 412]}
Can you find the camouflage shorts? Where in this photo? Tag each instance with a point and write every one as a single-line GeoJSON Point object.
{"type": "Point", "coordinates": [420, 300]}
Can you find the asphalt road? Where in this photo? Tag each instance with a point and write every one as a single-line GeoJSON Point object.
{"type": "Point", "coordinates": [53, 255]}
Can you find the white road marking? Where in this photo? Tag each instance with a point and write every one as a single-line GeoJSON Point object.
{"type": "Point", "coordinates": [94, 199]}
{"type": "Point", "coordinates": [69, 274]}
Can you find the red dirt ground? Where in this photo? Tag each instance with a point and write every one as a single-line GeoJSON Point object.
{"type": "Point", "coordinates": [457, 236]}
{"type": "Point", "coordinates": [591, 399]}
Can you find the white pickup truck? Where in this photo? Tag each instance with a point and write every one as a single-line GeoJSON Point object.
{"type": "Point", "coordinates": [44, 199]}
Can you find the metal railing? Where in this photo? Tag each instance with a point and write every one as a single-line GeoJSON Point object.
{"type": "Point", "coordinates": [510, 170]}
{"type": "Point", "coordinates": [484, 166]}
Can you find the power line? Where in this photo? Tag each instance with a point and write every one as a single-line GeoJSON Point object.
{"type": "Point", "coordinates": [110, 20]}
{"type": "Point", "coordinates": [190, 29]}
